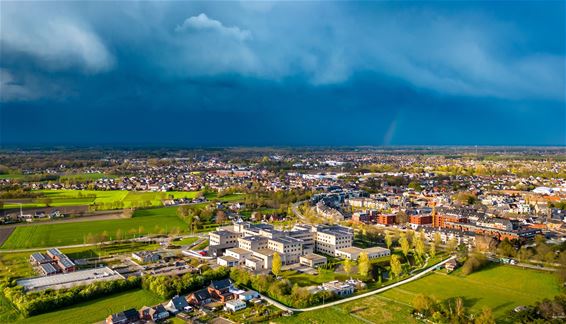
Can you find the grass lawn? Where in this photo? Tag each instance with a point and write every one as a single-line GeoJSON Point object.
{"type": "Point", "coordinates": [501, 288]}
{"type": "Point", "coordinates": [11, 176]}
{"type": "Point", "coordinates": [305, 280]}
{"type": "Point", "coordinates": [15, 265]}
{"type": "Point", "coordinates": [97, 310]}
{"type": "Point", "coordinates": [185, 241]}
{"type": "Point", "coordinates": [375, 309]}
{"type": "Point", "coordinates": [85, 177]}
{"type": "Point", "coordinates": [61, 198]}
{"type": "Point", "coordinates": [150, 221]}
{"type": "Point", "coordinates": [226, 198]}
{"type": "Point", "coordinates": [8, 313]}
{"type": "Point", "coordinates": [201, 246]}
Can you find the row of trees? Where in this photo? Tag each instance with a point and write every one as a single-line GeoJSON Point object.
{"type": "Point", "coordinates": [168, 286]}
{"type": "Point", "coordinates": [35, 303]}
{"type": "Point", "coordinates": [48, 300]}
{"type": "Point", "coordinates": [545, 311]}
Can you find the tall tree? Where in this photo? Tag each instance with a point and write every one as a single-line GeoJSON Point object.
{"type": "Point", "coordinates": [395, 264]}
{"type": "Point", "coordinates": [437, 239]}
{"type": "Point", "coordinates": [485, 317]}
{"type": "Point", "coordinates": [348, 266]}
{"type": "Point", "coordinates": [220, 217]}
{"type": "Point", "coordinates": [388, 239]}
{"type": "Point", "coordinates": [423, 304]}
{"type": "Point", "coordinates": [432, 250]}
{"type": "Point", "coordinates": [402, 217]}
{"type": "Point", "coordinates": [363, 264]}
{"type": "Point", "coordinates": [419, 247]}
{"type": "Point", "coordinates": [276, 264]}
{"type": "Point", "coordinates": [452, 244]}
{"type": "Point", "coordinates": [405, 246]}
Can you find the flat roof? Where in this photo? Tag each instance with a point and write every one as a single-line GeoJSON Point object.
{"type": "Point", "coordinates": [313, 256]}
{"type": "Point", "coordinates": [265, 252]}
{"type": "Point", "coordinates": [351, 250]}
{"type": "Point", "coordinates": [375, 249]}
{"type": "Point", "coordinates": [224, 232]}
{"type": "Point", "coordinates": [239, 250]}
{"type": "Point", "coordinates": [228, 258]}
{"type": "Point", "coordinates": [70, 279]}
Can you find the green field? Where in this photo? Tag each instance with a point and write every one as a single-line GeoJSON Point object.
{"type": "Point", "coordinates": [375, 309]}
{"type": "Point", "coordinates": [97, 310]}
{"type": "Point", "coordinates": [147, 221]}
{"type": "Point", "coordinates": [104, 199]}
{"type": "Point", "coordinates": [225, 198]}
{"type": "Point", "coordinates": [500, 288]}
{"type": "Point", "coordinates": [85, 177]}
{"type": "Point", "coordinates": [185, 241]}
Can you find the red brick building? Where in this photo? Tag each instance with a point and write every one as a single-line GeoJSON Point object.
{"type": "Point", "coordinates": [440, 220]}
{"type": "Point", "coordinates": [387, 219]}
{"type": "Point", "coordinates": [421, 220]}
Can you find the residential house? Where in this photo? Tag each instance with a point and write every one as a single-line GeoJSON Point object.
{"type": "Point", "coordinates": [248, 295]}
{"type": "Point", "coordinates": [178, 304]}
{"type": "Point", "coordinates": [145, 256]}
{"type": "Point", "coordinates": [154, 313]}
{"type": "Point", "coordinates": [235, 305]}
{"type": "Point", "coordinates": [128, 316]}
{"type": "Point", "coordinates": [199, 297]}
{"type": "Point", "coordinates": [220, 289]}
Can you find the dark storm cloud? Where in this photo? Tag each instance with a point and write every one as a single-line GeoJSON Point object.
{"type": "Point", "coordinates": [294, 72]}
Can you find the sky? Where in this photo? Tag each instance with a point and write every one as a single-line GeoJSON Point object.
{"type": "Point", "coordinates": [281, 73]}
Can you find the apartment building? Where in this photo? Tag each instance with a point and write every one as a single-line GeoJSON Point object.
{"type": "Point", "coordinates": [224, 238]}
{"type": "Point", "coordinates": [253, 243]}
{"type": "Point", "coordinates": [331, 238]}
{"type": "Point", "coordinates": [290, 249]}
{"type": "Point", "coordinates": [221, 240]}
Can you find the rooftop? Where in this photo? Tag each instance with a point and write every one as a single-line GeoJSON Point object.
{"type": "Point", "coordinates": [67, 280]}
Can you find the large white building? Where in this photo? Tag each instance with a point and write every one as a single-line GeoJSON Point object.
{"type": "Point", "coordinates": [328, 239]}
{"type": "Point", "coordinates": [253, 245]}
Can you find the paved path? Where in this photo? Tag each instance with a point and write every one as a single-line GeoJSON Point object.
{"type": "Point", "coordinates": [295, 209]}
{"type": "Point", "coordinates": [345, 300]}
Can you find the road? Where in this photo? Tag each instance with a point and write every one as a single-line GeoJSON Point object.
{"type": "Point", "coordinates": [524, 265]}
{"type": "Point", "coordinates": [295, 209]}
{"type": "Point", "coordinates": [345, 300]}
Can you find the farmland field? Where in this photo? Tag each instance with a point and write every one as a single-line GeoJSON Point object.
{"type": "Point", "coordinates": [500, 288]}
{"type": "Point", "coordinates": [110, 199]}
{"type": "Point", "coordinates": [149, 221]}
{"type": "Point", "coordinates": [97, 310]}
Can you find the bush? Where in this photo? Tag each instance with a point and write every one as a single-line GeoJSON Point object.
{"type": "Point", "coordinates": [473, 263]}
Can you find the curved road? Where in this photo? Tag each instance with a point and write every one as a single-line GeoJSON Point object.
{"type": "Point", "coordinates": [345, 300]}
